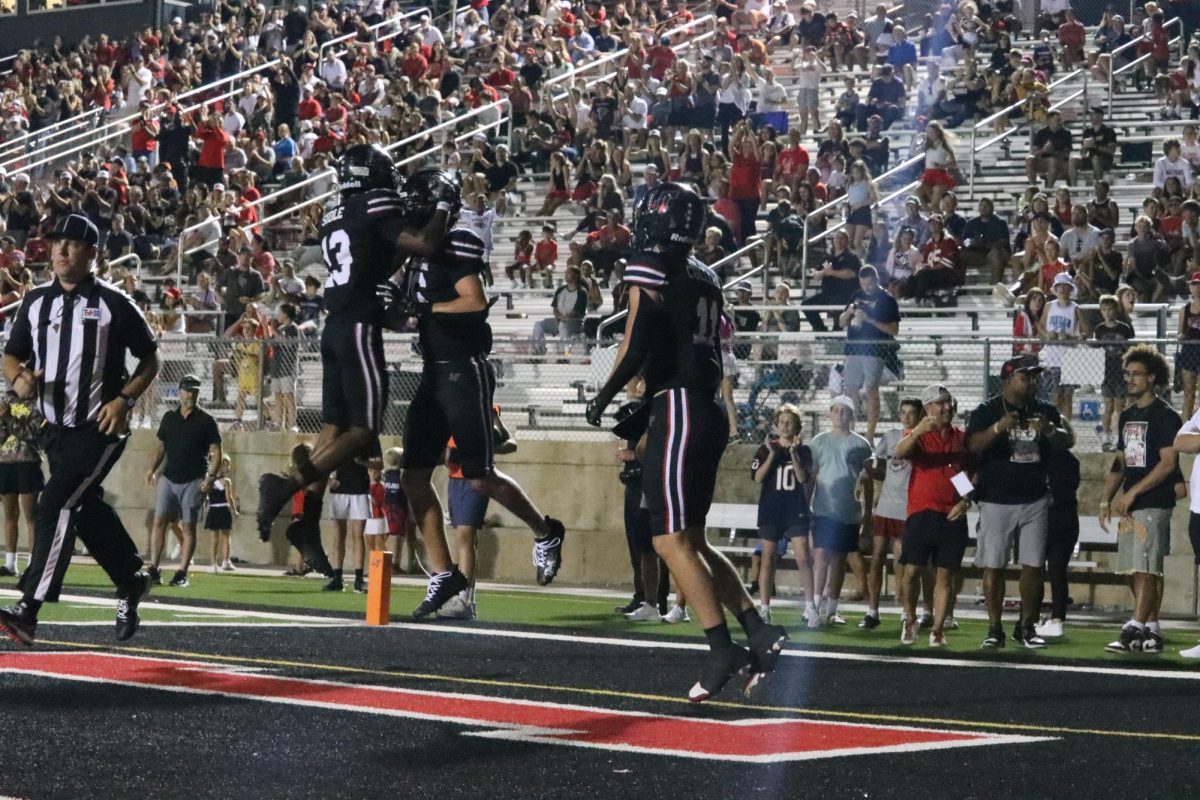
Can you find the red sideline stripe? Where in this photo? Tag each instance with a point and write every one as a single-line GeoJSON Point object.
{"type": "Point", "coordinates": [548, 723]}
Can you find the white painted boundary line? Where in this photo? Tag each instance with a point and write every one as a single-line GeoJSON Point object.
{"type": "Point", "coordinates": [86, 600]}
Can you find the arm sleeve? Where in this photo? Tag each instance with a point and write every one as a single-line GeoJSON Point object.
{"type": "Point", "coordinates": [759, 455]}
{"type": "Point", "coordinates": [20, 338]}
{"type": "Point", "coordinates": [136, 334]}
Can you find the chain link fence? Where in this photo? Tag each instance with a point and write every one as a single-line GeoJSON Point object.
{"type": "Point", "coordinates": [275, 384]}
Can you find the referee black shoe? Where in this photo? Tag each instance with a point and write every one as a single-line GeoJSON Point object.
{"type": "Point", "coordinates": [18, 623]}
{"type": "Point", "coordinates": [722, 666]}
{"type": "Point", "coordinates": [127, 606]}
{"type": "Point", "coordinates": [442, 586]}
{"type": "Point", "coordinates": [547, 552]}
{"type": "Point", "coordinates": [274, 490]}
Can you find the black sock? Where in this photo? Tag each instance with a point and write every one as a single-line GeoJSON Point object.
{"type": "Point", "coordinates": [33, 606]}
{"type": "Point", "coordinates": [750, 621]}
{"type": "Point", "coordinates": [358, 576]}
{"type": "Point", "coordinates": [337, 574]}
{"type": "Point", "coordinates": [718, 637]}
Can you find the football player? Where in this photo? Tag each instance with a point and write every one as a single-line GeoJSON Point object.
{"type": "Point", "coordinates": [364, 239]}
{"type": "Point", "coordinates": [444, 292]}
{"type": "Point", "coordinates": [672, 338]}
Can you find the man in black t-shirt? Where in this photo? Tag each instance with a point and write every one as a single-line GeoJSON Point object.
{"type": "Point", "coordinates": [1050, 152]}
{"type": "Point", "coordinates": [1011, 434]}
{"type": "Point", "coordinates": [191, 444]}
{"type": "Point", "coordinates": [839, 281]}
{"type": "Point", "coordinates": [603, 113]}
{"type": "Point", "coordinates": [1098, 148]}
{"type": "Point", "coordinates": [1144, 472]}
{"type": "Point", "coordinates": [745, 320]}
{"type": "Point", "coordinates": [871, 322]}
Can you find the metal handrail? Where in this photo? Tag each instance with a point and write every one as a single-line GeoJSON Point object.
{"type": "Point", "coordinates": [345, 37]}
{"type": "Point", "coordinates": [1144, 37]}
{"type": "Point", "coordinates": [128, 257]}
{"type": "Point", "coordinates": [750, 244]}
{"type": "Point", "coordinates": [123, 122]}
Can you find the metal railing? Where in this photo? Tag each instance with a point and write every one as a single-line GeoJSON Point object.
{"type": "Point", "coordinates": [1145, 37]}
{"type": "Point", "coordinates": [346, 37]}
{"type": "Point", "coordinates": [119, 126]}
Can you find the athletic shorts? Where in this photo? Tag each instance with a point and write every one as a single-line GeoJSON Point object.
{"type": "Point", "coordinates": [454, 398]}
{"type": "Point", "coordinates": [796, 529]}
{"type": "Point", "coordinates": [376, 526]}
{"type": "Point", "coordinates": [860, 216]}
{"type": "Point", "coordinates": [1194, 534]}
{"type": "Point", "coordinates": [21, 478]}
{"type": "Point", "coordinates": [930, 538]}
{"type": "Point", "coordinates": [397, 519]}
{"type": "Point", "coordinates": [687, 434]}
{"type": "Point", "coordinates": [354, 385]}
{"type": "Point", "coordinates": [831, 534]}
{"type": "Point", "coordinates": [467, 506]}
{"type": "Point", "coordinates": [180, 501]}
{"type": "Point", "coordinates": [1000, 525]}
{"type": "Point", "coordinates": [349, 506]}
{"type": "Point", "coordinates": [284, 384]}
{"type": "Point", "coordinates": [862, 372]}
{"type": "Point", "coordinates": [888, 528]}
{"type": "Point", "coordinates": [1144, 541]}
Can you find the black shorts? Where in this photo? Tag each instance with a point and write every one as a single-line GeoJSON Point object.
{"type": "Point", "coordinates": [1194, 534]}
{"type": "Point", "coordinates": [22, 478]}
{"type": "Point", "coordinates": [454, 398]}
{"type": "Point", "coordinates": [860, 216]}
{"type": "Point", "coordinates": [637, 522]}
{"type": "Point", "coordinates": [930, 538]}
{"type": "Point", "coordinates": [354, 386]}
{"type": "Point", "coordinates": [687, 435]}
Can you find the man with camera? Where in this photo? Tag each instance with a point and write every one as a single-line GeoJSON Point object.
{"type": "Point", "coordinates": [871, 320]}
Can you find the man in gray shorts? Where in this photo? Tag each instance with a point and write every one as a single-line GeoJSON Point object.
{"type": "Point", "coordinates": [1145, 472]}
{"type": "Point", "coordinates": [871, 320]}
{"type": "Point", "coordinates": [1010, 434]}
{"type": "Point", "coordinates": [189, 452]}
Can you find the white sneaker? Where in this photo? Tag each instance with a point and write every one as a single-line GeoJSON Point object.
{"type": "Point", "coordinates": [228, 567]}
{"type": "Point", "coordinates": [644, 613]}
{"type": "Point", "coordinates": [836, 619]}
{"type": "Point", "coordinates": [1191, 652]}
{"type": "Point", "coordinates": [812, 618]}
{"type": "Point", "coordinates": [213, 569]}
{"type": "Point", "coordinates": [949, 624]}
{"type": "Point", "coordinates": [676, 615]}
{"type": "Point", "coordinates": [765, 613]}
{"type": "Point", "coordinates": [1002, 293]}
{"type": "Point", "coordinates": [455, 608]}
{"type": "Point", "coordinates": [1050, 629]}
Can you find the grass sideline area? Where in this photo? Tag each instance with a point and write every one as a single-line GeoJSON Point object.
{"type": "Point", "coordinates": [593, 616]}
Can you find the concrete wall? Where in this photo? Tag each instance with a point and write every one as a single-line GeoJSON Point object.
{"type": "Point", "coordinates": [577, 482]}
{"type": "Point", "coordinates": [117, 20]}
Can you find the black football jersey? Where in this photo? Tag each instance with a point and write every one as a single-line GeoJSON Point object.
{"type": "Point", "coordinates": [358, 240]}
{"type": "Point", "coordinates": [449, 337]}
{"type": "Point", "coordinates": [685, 352]}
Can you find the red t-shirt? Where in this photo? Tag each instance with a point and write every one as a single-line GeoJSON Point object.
{"type": "Point", "coordinates": [310, 109]}
{"type": "Point", "coordinates": [660, 60]}
{"type": "Point", "coordinates": [377, 494]}
{"type": "Point", "coordinates": [1072, 34]}
{"type": "Point", "coordinates": [940, 456]}
{"type": "Point", "coordinates": [545, 253]}
{"type": "Point", "coordinates": [1050, 270]}
{"type": "Point", "coordinates": [212, 151]}
{"type": "Point", "coordinates": [745, 178]}
{"type": "Point", "coordinates": [142, 140]}
{"type": "Point", "coordinates": [792, 160]}
{"type": "Point", "coordinates": [415, 67]}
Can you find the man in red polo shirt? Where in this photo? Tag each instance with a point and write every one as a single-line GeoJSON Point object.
{"type": "Point", "coordinates": [936, 531]}
{"type": "Point", "coordinates": [210, 166]}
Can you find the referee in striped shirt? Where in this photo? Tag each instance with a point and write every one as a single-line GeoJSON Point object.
{"type": "Point", "coordinates": [67, 352]}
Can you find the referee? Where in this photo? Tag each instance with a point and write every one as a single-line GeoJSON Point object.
{"type": "Point", "coordinates": [67, 352]}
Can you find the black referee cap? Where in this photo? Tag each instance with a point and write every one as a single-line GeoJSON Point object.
{"type": "Point", "coordinates": [77, 227]}
{"type": "Point", "coordinates": [189, 383]}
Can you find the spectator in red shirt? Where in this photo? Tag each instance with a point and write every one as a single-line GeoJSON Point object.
{"type": "Point", "coordinates": [1071, 34]}
{"type": "Point", "coordinates": [309, 107]}
{"type": "Point", "coordinates": [606, 244]}
{"type": "Point", "coordinates": [660, 58]}
{"type": "Point", "coordinates": [144, 138]}
{"type": "Point", "coordinates": [791, 165]}
{"type": "Point", "coordinates": [210, 166]}
{"type": "Point", "coordinates": [501, 77]}
{"type": "Point", "coordinates": [415, 65]}
{"type": "Point", "coordinates": [937, 512]}
{"type": "Point", "coordinates": [106, 53]}
{"type": "Point", "coordinates": [943, 262]}
{"type": "Point", "coordinates": [745, 178]}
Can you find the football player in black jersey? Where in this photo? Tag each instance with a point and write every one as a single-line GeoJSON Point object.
{"type": "Point", "coordinates": [672, 338]}
{"type": "Point", "coordinates": [364, 239]}
{"type": "Point", "coordinates": [444, 291]}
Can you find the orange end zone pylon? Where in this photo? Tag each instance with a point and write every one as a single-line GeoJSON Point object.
{"type": "Point", "coordinates": [379, 587]}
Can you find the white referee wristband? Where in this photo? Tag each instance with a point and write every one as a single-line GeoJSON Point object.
{"type": "Point", "coordinates": [444, 206]}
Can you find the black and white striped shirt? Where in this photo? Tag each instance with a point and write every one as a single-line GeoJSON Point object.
{"type": "Point", "coordinates": [78, 340]}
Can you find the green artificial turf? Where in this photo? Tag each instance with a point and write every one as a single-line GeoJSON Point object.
{"type": "Point", "coordinates": [595, 615]}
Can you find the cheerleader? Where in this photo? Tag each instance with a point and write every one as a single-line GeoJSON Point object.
{"type": "Point", "coordinates": [221, 507]}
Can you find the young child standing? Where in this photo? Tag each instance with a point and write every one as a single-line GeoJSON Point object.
{"type": "Point", "coordinates": [1115, 333]}
{"type": "Point", "coordinates": [396, 513]}
{"type": "Point", "coordinates": [1060, 323]}
{"type": "Point", "coordinates": [222, 508]}
{"type": "Point", "coordinates": [349, 508]}
{"type": "Point", "coordinates": [376, 532]}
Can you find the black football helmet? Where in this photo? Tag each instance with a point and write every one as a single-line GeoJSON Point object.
{"type": "Point", "coordinates": [423, 190]}
{"type": "Point", "coordinates": [669, 215]}
{"type": "Point", "coordinates": [364, 167]}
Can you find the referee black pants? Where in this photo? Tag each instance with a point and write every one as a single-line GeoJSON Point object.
{"type": "Point", "coordinates": [72, 504]}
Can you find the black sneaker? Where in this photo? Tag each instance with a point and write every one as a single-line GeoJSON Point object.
{"type": "Point", "coordinates": [869, 622]}
{"type": "Point", "coordinates": [721, 665]}
{"type": "Point", "coordinates": [154, 575]}
{"type": "Point", "coordinates": [180, 580]}
{"type": "Point", "coordinates": [335, 585]}
{"type": "Point", "coordinates": [18, 623]}
{"type": "Point", "coordinates": [630, 607]}
{"type": "Point", "coordinates": [547, 552]}
{"type": "Point", "coordinates": [360, 585]}
{"type": "Point", "coordinates": [1152, 642]}
{"type": "Point", "coordinates": [5, 572]}
{"type": "Point", "coordinates": [127, 606]}
{"type": "Point", "coordinates": [994, 638]}
{"type": "Point", "coordinates": [926, 622]}
{"type": "Point", "coordinates": [305, 535]}
{"type": "Point", "coordinates": [274, 490]}
{"type": "Point", "coordinates": [1130, 641]}
{"type": "Point", "coordinates": [765, 645]}
{"type": "Point", "coordinates": [1029, 636]}
{"type": "Point", "coordinates": [442, 586]}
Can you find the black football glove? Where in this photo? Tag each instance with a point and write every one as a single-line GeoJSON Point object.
{"type": "Point", "coordinates": [594, 413]}
{"type": "Point", "coordinates": [398, 307]}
